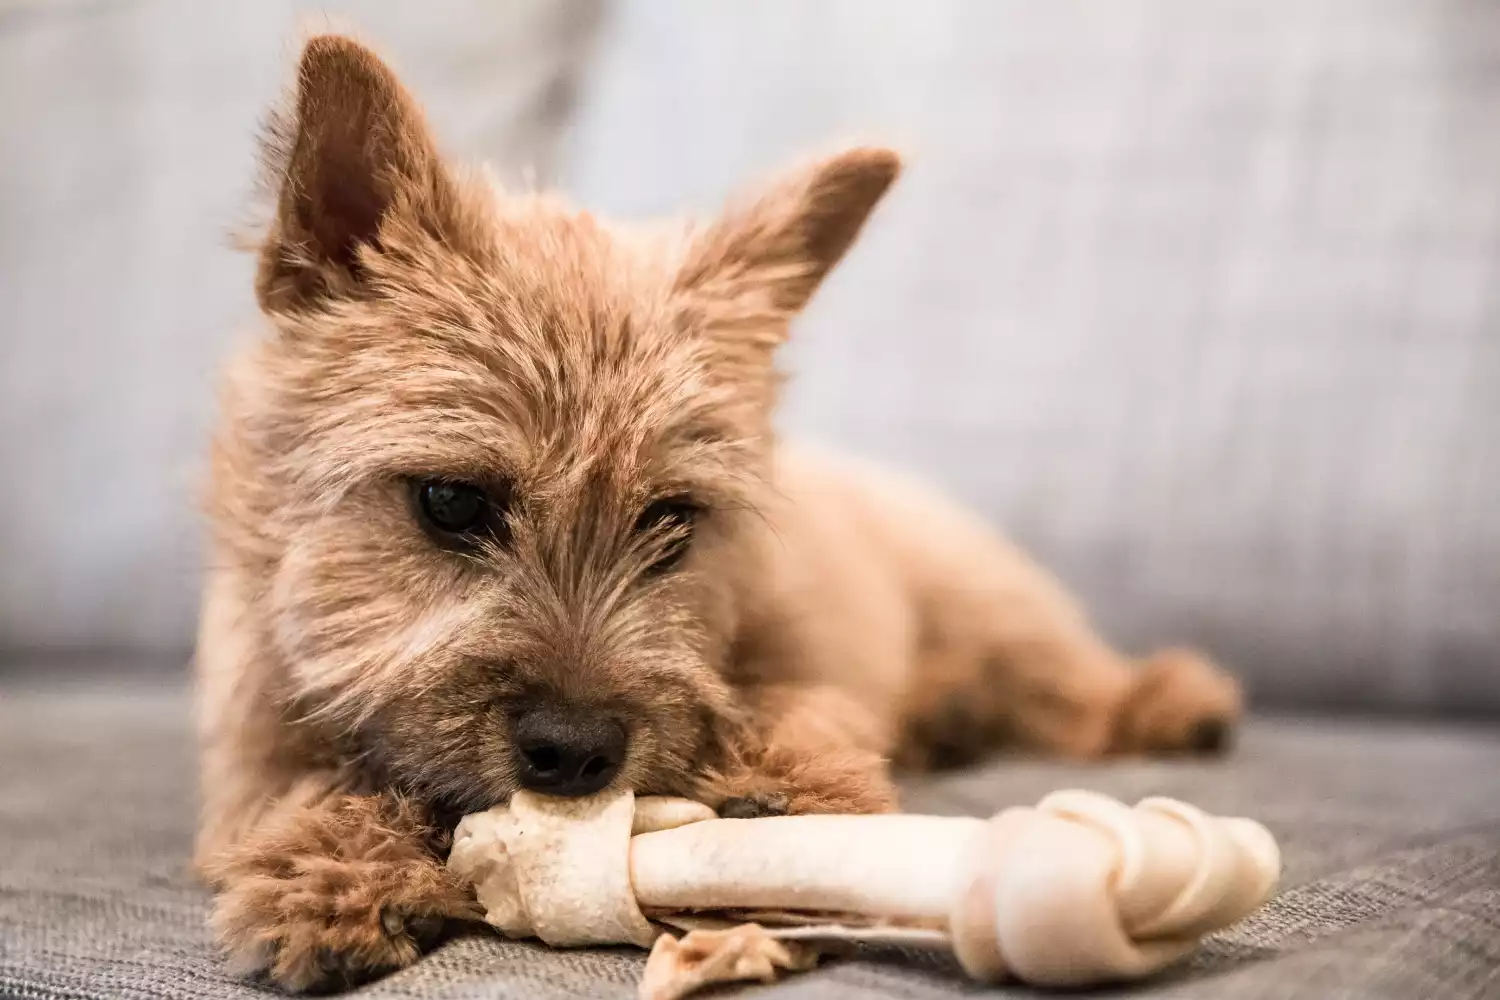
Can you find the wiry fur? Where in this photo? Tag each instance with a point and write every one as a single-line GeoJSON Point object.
{"type": "Point", "coordinates": [357, 682]}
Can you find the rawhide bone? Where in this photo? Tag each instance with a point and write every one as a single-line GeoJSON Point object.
{"type": "Point", "coordinates": [1080, 889]}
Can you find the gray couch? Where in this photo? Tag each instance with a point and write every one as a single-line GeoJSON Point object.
{"type": "Point", "coordinates": [1196, 297]}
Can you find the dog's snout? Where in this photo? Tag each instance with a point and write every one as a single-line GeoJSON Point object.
{"type": "Point", "coordinates": [568, 752]}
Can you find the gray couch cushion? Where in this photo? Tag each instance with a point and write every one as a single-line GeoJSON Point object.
{"type": "Point", "coordinates": [1195, 296]}
{"type": "Point", "coordinates": [1391, 835]}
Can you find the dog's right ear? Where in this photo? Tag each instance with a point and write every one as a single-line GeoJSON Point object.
{"type": "Point", "coordinates": [349, 161]}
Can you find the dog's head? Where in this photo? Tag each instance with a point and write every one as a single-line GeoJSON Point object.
{"type": "Point", "coordinates": [493, 476]}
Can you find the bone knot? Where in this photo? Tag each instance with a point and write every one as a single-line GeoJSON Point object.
{"type": "Point", "coordinates": [1082, 889]}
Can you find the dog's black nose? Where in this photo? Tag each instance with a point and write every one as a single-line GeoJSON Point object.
{"type": "Point", "coordinates": [566, 752]}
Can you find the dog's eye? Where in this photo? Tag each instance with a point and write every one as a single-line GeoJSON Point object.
{"type": "Point", "coordinates": [673, 517]}
{"type": "Point", "coordinates": [458, 514]}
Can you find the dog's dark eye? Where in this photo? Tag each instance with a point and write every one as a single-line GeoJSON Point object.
{"type": "Point", "coordinates": [458, 514]}
{"type": "Point", "coordinates": [673, 517]}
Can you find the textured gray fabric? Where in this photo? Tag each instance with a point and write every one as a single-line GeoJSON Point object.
{"type": "Point", "coordinates": [128, 129]}
{"type": "Point", "coordinates": [1391, 836]}
{"type": "Point", "coordinates": [1196, 296]}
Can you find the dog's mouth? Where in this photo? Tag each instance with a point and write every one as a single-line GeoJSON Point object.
{"type": "Point", "coordinates": [454, 770]}
{"type": "Point", "coordinates": [444, 814]}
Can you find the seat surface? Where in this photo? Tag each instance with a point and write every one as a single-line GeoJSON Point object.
{"type": "Point", "coordinates": [1391, 834]}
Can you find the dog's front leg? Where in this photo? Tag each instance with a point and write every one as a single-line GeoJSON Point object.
{"type": "Point", "coordinates": [323, 894]}
{"type": "Point", "coordinates": [807, 749]}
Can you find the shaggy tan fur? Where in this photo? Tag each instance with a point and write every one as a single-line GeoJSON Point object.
{"type": "Point", "coordinates": [358, 681]}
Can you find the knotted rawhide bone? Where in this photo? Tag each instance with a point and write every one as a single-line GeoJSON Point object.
{"type": "Point", "coordinates": [1079, 890]}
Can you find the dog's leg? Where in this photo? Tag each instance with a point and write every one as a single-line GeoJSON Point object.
{"type": "Point", "coordinates": [1180, 701]}
{"type": "Point", "coordinates": [1062, 691]}
{"type": "Point", "coordinates": [1008, 658]}
{"type": "Point", "coordinates": [328, 890]}
{"type": "Point", "coordinates": [808, 749]}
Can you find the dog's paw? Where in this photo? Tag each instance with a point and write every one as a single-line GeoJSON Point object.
{"type": "Point", "coordinates": [325, 896]}
{"type": "Point", "coordinates": [317, 924]}
{"type": "Point", "coordinates": [782, 782]}
{"type": "Point", "coordinates": [948, 733]}
{"type": "Point", "coordinates": [1181, 704]}
{"type": "Point", "coordinates": [755, 806]}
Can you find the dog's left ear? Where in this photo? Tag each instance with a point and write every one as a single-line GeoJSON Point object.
{"type": "Point", "coordinates": [761, 263]}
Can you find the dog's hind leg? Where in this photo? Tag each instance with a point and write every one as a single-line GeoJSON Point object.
{"type": "Point", "coordinates": [1005, 656]}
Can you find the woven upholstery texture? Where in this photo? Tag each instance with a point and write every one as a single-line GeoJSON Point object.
{"type": "Point", "coordinates": [1391, 835]}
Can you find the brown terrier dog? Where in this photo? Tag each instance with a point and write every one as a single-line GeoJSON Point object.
{"type": "Point", "coordinates": [497, 505]}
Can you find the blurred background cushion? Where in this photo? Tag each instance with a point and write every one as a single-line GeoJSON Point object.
{"type": "Point", "coordinates": [1193, 296]}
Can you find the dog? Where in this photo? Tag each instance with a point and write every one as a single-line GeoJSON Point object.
{"type": "Point", "coordinates": [496, 503]}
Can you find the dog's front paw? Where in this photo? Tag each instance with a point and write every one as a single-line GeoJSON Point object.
{"type": "Point", "coordinates": [1181, 703]}
{"type": "Point", "coordinates": [328, 896]}
{"type": "Point", "coordinates": [316, 924]}
{"type": "Point", "coordinates": [755, 806]}
{"type": "Point", "coordinates": [332, 894]}
{"type": "Point", "coordinates": [781, 782]}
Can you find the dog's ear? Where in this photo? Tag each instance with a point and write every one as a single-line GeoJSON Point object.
{"type": "Point", "coordinates": [761, 262]}
{"type": "Point", "coordinates": [350, 153]}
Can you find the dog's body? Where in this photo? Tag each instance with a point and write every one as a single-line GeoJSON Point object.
{"type": "Point", "coordinates": [497, 504]}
